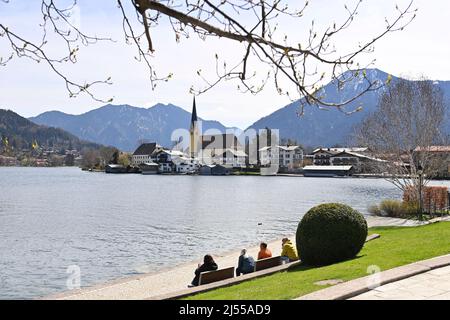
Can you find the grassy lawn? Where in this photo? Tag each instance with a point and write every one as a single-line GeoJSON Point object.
{"type": "Point", "coordinates": [397, 246]}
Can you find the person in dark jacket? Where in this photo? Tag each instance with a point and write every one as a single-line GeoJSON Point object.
{"type": "Point", "coordinates": [208, 265]}
{"type": "Point", "coordinates": [246, 263]}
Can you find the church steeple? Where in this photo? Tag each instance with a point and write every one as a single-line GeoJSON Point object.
{"type": "Point", "coordinates": [193, 148]}
{"type": "Point", "coordinates": [194, 115]}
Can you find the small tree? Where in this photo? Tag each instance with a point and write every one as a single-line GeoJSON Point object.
{"type": "Point", "coordinates": [91, 158]}
{"type": "Point", "coordinates": [108, 155]}
{"type": "Point", "coordinates": [403, 132]}
{"type": "Point", "coordinates": [124, 159]}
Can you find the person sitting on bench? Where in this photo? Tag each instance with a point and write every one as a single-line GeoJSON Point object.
{"type": "Point", "coordinates": [208, 265]}
{"type": "Point", "coordinates": [246, 264]}
{"type": "Point", "coordinates": [264, 252]}
{"type": "Point", "coordinates": [288, 252]}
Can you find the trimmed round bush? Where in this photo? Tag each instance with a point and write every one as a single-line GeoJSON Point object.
{"type": "Point", "coordinates": [330, 233]}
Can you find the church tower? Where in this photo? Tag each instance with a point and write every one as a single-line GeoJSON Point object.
{"type": "Point", "coordinates": [193, 148]}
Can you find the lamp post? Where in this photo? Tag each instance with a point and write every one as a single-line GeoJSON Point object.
{"type": "Point", "coordinates": [420, 174]}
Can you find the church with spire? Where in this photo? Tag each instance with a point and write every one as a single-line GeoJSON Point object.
{"type": "Point", "coordinates": [194, 133]}
{"type": "Point", "coordinates": [222, 148]}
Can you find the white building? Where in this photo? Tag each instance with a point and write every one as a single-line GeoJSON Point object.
{"type": "Point", "coordinates": [186, 167]}
{"type": "Point", "coordinates": [175, 161]}
{"type": "Point", "coordinates": [217, 149]}
{"type": "Point", "coordinates": [322, 156]}
{"type": "Point", "coordinates": [222, 149]}
{"type": "Point", "coordinates": [145, 153]}
{"type": "Point", "coordinates": [288, 157]}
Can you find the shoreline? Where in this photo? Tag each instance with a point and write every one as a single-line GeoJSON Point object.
{"type": "Point", "coordinates": [291, 175]}
{"type": "Point", "coordinates": [184, 272]}
{"type": "Point", "coordinates": [173, 279]}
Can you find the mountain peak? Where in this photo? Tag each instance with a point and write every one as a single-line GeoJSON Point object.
{"type": "Point", "coordinates": [22, 133]}
{"type": "Point", "coordinates": [125, 126]}
{"type": "Point", "coordinates": [317, 127]}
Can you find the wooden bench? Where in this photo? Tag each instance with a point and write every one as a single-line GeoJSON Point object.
{"type": "Point", "coordinates": [268, 263]}
{"type": "Point", "coordinates": [218, 275]}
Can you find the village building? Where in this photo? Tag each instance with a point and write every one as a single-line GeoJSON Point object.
{"type": "Point", "coordinates": [186, 167]}
{"type": "Point", "coordinates": [361, 163]}
{"type": "Point", "coordinates": [164, 160]}
{"type": "Point", "coordinates": [41, 162]}
{"type": "Point", "coordinates": [321, 156]}
{"type": "Point", "coordinates": [289, 158]}
{"type": "Point", "coordinates": [441, 154]}
{"type": "Point", "coordinates": [223, 149]}
{"type": "Point", "coordinates": [145, 153]}
{"type": "Point", "coordinates": [172, 161]}
{"type": "Point", "coordinates": [8, 161]}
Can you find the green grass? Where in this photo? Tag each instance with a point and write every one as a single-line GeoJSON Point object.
{"type": "Point", "coordinates": [396, 247]}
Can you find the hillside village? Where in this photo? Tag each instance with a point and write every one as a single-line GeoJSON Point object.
{"type": "Point", "coordinates": [224, 154]}
{"type": "Point", "coordinates": [205, 154]}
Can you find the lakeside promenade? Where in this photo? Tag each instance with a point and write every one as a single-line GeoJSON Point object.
{"type": "Point", "coordinates": [147, 286]}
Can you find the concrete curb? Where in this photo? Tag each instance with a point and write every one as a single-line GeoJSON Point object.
{"type": "Point", "coordinates": [359, 286]}
{"type": "Point", "coordinates": [225, 283]}
{"type": "Point", "coordinates": [236, 280]}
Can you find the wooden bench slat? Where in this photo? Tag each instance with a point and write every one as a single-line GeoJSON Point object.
{"type": "Point", "coordinates": [218, 275]}
{"type": "Point", "coordinates": [268, 263]}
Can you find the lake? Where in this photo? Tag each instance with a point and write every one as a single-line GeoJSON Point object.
{"type": "Point", "coordinates": [113, 226]}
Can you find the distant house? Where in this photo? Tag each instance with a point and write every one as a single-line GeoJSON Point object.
{"type": "Point", "coordinates": [174, 161]}
{"type": "Point", "coordinates": [144, 153]}
{"type": "Point", "coordinates": [439, 153]}
{"type": "Point", "coordinates": [288, 157]}
{"type": "Point", "coordinates": [223, 149]}
{"type": "Point", "coordinates": [321, 156]}
{"type": "Point", "coordinates": [8, 161]}
{"type": "Point", "coordinates": [361, 163]}
{"type": "Point", "coordinates": [327, 171]}
{"type": "Point", "coordinates": [41, 162]}
{"type": "Point", "coordinates": [183, 163]}
{"type": "Point", "coordinates": [186, 167]}
{"type": "Point", "coordinates": [230, 158]}
{"type": "Point", "coordinates": [214, 170]}
{"type": "Point", "coordinates": [164, 160]}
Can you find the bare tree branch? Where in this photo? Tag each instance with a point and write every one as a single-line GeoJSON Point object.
{"type": "Point", "coordinates": [404, 131]}
{"type": "Point", "coordinates": [254, 24]}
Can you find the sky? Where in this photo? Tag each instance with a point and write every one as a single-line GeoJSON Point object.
{"type": "Point", "coordinates": [29, 88]}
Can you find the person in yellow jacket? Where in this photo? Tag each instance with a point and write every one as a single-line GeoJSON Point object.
{"type": "Point", "coordinates": [288, 252]}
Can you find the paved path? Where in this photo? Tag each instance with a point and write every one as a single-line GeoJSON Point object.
{"type": "Point", "coordinates": [431, 285]}
{"type": "Point", "coordinates": [147, 286]}
{"type": "Point", "coordinates": [152, 285]}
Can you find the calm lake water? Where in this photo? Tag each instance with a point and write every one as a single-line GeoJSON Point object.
{"type": "Point", "coordinates": [113, 226]}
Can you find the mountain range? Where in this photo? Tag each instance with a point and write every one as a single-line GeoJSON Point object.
{"type": "Point", "coordinates": [19, 134]}
{"type": "Point", "coordinates": [325, 128]}
{"type": "Point", "coordinates": [125, 126]}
